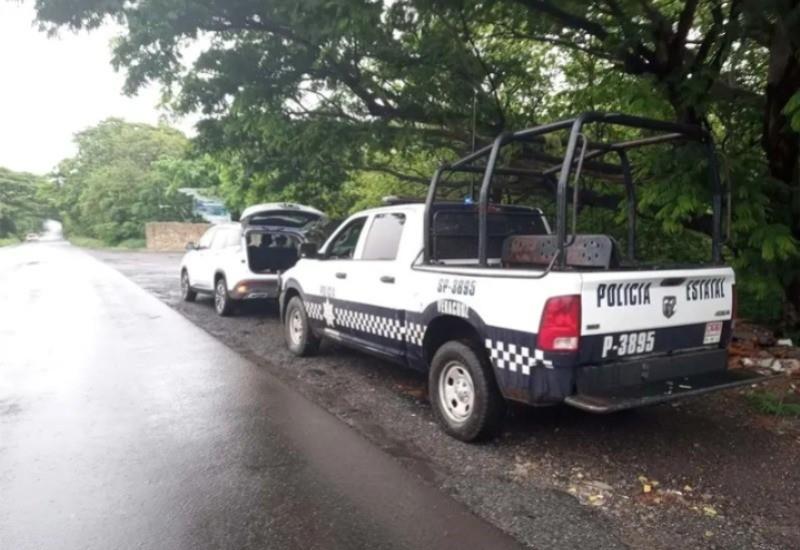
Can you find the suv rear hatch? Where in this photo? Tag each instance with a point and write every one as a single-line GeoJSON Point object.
{"type": "Point", "coordinates": [652, 336]}
{"type": "Point", "coordinates": [273, 233]}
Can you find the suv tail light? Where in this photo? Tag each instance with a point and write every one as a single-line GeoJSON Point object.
{"type": "Point", "coordinates": [560, 327]}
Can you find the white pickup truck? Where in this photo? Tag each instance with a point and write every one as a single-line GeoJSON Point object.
{"type": "Point", "coordinates": [497, 306]}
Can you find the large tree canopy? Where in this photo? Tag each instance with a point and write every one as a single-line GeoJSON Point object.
{"type": "Point", "coordinates": [121, 177]}
{"type": "Point", "coordinates": [303, 99]}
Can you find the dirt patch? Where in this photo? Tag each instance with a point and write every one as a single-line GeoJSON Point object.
{"type": "Point", "coordinates": [704, 473]}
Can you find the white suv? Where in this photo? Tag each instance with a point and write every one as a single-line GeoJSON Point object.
{"type": "Point", "coordinates": [243, 260]}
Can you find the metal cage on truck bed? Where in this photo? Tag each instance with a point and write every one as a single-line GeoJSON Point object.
{"type": "Point", "coordinates": [579, 152]}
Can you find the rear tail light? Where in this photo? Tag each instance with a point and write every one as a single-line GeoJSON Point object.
{"type": "Point", "coordinates": [560, 327]}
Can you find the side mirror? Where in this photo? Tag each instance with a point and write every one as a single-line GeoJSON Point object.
{"type": "Point", "coordinates": [191, 246]}
{"type": "Point", "coordinates": [308, 250]}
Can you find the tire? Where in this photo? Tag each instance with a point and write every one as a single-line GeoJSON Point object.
{"type": "Point", "coordinates": [187, 293]}
{"type": "Point", "coordinates": [223, 303]}
{"type": "Point", "coordinates": [300, 339]}
{"type": "Point", "coordinates": [464, 393]}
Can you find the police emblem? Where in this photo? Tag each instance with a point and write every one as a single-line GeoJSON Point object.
{"type": "Point", "coordinates": [668, 306]}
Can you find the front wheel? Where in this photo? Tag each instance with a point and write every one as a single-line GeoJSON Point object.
{"type": "Point", "coordinates": [187, 293]}
{"type": "Point", "coordinates": [299, 337]}
{"type": "Point", "coordinates": [464, 393]}
{"type": "Point", "coordinates": [223, 303]}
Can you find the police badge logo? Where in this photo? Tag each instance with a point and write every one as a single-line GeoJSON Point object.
{"type": "Point", "coordinates": [668, 306]}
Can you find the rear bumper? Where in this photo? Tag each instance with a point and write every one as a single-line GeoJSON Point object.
{"type": "Point", "coordinates": [649, 381]}
{"type": "Point", "coordinates": [253, 289]}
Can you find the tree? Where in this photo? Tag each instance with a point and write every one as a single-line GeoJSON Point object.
{"type": "Point", "coordinates": [301, 98]}
{"type": "Point", "coordinates": [22, 209]}
{"type": "Point", "coordinates": [119, 180]}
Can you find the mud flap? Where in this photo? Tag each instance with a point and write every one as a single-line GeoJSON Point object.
{"type": "Point", "coordinates": [652, 393]}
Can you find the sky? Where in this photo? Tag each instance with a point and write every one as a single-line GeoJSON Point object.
{"type": "Point", "coordinates": [51, 88]}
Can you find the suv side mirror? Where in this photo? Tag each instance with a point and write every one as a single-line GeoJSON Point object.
{"type": "Point", "coordinates": [308, 250]}
{"type": "Point", "coordinates": [191, 246]}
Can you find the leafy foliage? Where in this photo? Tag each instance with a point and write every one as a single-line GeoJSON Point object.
{"type": "Point", "coordinates": [334, 102]}
{"type": "Point", "coordinates": [123, 176]}
{"type": "Point", "coordinates": [22, 209]}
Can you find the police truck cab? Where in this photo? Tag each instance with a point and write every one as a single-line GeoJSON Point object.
{"type": "Point", "coordinates": [477, 288]}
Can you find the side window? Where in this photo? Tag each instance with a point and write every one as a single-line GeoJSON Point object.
{"type": "Point", "coordinates": [234, 238]}
{"type": "Point", "coordinates": [343, 245]}
{"type": "Point", "coordinates": [208, 236]}
{"type": "Point", "coordinates": [383, 238]}
{"type": "Point", "coordinates": [220, 239]}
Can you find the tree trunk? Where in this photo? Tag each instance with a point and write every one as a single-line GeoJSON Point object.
{"type": "Point", "coordinates": [782, 144]}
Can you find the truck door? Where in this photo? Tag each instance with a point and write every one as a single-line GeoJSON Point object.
{"type": "Point", "coordinates": [375, 281]}
{"type": "Point", "coordinates": [333, 276]}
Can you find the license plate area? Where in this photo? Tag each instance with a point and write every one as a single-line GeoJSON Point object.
{"type": "Point", "coordinates": [713, 333]}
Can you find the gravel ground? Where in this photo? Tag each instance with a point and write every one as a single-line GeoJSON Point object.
{"type": "Point", "coordinates": [703, 473]}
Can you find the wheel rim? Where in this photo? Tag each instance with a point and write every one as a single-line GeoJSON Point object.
{"type": "Point", "coordinates": [456, 392]}
{"type": "Point", "coordinates": [296, 326]}
{"type": "Point", "coordinates": [185, 284]}
{"type": "Point", "coordinates": [219, 296]}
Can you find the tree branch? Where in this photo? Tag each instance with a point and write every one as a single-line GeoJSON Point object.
{"type": "Point", "coordinates": [566, 18]}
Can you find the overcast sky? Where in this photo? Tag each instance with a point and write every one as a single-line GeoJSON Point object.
{"type": "Point", "coordinates": [51, 88]}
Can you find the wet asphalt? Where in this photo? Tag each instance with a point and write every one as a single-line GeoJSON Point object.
{"type": "Point", "coordinates": [557, 477]}
{"type": "Point", "coordinates": [123, 425]}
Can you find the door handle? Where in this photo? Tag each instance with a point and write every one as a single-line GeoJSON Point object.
{"type": "Point", "coordinates": [387, 279]}
{"type": "Point", "coordinates": [341, 275]}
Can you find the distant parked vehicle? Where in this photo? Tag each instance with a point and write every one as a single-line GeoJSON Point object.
{"type": "Point", "coordinates": [210, 209]}
{"type": "Point", "coordinates": [31, 237]}
{"type": "Point", "coordinates": [243, 260]}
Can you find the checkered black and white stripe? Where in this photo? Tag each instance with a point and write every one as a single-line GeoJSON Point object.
{"type": "Point", "coordinates": [387, 327]}
{"type": "Point", "coordinates": [516, 358]}
{"type": "Point", "coordinates": [380, 325]}
{"type": "Point", "coordinates": [313, 310]}
{"type": "Point", "coordinates": [415, 333]}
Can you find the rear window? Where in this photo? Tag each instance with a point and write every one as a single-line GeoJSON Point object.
{"type": "Point", "coordinates": [455, 231]}
{"type": "Point", "coordinates": [383, 238]}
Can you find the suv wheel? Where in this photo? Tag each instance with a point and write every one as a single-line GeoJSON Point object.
{"type": "Point", "coordinates": [464, 393]}
{"type": "Point", "coordinates": [187, 293]}
{"type": "Point", "coordinates": [223, 303]}
{"type": "Point", "coordinates": [299, 337]}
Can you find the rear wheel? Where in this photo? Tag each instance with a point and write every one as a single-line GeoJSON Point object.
{"type": "Point", "coordinates": [187, 293]}
{"type": "Point", "coordinates": [464, 393]}
{"type": "Point", "coordinates": [223, 303]}
{"type": "Point", "coordinates": [299, 337]}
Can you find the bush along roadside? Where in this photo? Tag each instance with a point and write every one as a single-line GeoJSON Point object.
{"type": "Point", "coordinates": [90, 242]}
{"type": "Point", "coordinates": [8, 241]}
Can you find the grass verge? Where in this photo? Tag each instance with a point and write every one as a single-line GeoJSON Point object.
{"type": "Point", "coordinates": [774, 404]}
{"type": "Point", "coordinates": [89, 242]}
{"type": "Point", "coordinates": [8, 241]}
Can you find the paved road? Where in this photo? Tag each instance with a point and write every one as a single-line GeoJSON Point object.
{"type": "Point", "coordinates": [122, 425]}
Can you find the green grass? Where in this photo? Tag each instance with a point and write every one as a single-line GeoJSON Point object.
{"type": "Point", "coordinates": [89, 242]}
{"type": "Point", "coordinates": [8, 241]}
{"type": "Point", "coordinates": [777, 405]}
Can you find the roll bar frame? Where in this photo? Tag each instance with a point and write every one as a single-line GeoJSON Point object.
{"type": "Point", "coordinates": [671, 131]}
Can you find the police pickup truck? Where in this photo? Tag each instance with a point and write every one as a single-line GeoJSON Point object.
{"type": "Point", "coordinates": [496, 305]}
